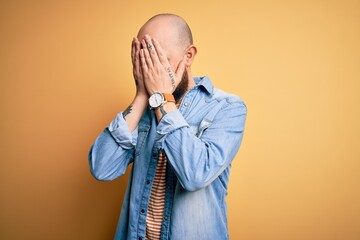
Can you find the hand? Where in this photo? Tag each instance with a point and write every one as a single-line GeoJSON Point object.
{"type": "Point", "coordinates": [157, 73]}
{"type": "Point", "coordinates": [137, 72]}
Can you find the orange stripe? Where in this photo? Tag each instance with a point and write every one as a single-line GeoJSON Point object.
{"type": "Point", "coordinates": [157, 200]}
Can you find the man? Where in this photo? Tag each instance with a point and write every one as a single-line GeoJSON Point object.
{"type": "Point", "coordinates": [180, 134]}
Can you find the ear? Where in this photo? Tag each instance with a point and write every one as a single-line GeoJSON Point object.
{"type": "Point", "coordinates": [190, 53]}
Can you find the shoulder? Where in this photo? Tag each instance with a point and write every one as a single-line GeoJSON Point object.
{"type": "Point", "coordinates": [231, 102]}
{"type": "Point", "coordinates": [221, 98]}
{"type": "Point", "coordinates": [221, 95]}
{"type": "Point", "coordinates": [216, 93]}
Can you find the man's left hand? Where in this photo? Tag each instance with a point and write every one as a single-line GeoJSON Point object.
{"type": "Point", "coordinates": [158, 75]}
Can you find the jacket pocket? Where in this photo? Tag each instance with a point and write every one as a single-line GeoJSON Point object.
{"type": "Point", "coordinates": [198, 129]}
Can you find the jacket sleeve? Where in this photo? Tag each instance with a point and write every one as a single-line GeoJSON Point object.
{"type": "Point", "coordinates": [113, 150]}
{"type": "Point", "coordinates": [197, 161]}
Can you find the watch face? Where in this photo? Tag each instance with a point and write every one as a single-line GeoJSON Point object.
{"type": "Point", "coordinates": [156, 100]}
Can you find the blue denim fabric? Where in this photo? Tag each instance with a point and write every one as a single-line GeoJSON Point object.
{"type": "Point", "coordinates": [200, 140]}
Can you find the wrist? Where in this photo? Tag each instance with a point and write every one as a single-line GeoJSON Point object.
{"type": "Point", "coordinates": [141, 101]}
{"type": "Point", "coordinates": [157, 99]}
{"type": "Point", "coordinates": [159, 90]}
{"type": "Point", "coordinates": [143, 97]}
{"type": "Point", "coordinates": [164, 109]}
{"type": "Point", "coordinates": [169, 106]}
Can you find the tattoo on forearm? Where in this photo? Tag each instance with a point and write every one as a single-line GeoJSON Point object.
{"type": "Point", "coordinates": [127, 111]}
{"type": "Point", "coordinates": [163, 112]}
{"type": "Point", "coordinates": [171, 75]}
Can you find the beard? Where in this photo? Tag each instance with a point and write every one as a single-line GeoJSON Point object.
{"type": "Point", "coordinates": [182, 87]}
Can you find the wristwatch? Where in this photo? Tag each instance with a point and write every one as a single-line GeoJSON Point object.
{"type": "Point", "coordinates": [157, 99]}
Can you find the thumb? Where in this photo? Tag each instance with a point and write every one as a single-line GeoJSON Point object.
{"type": "Point", "coordinates": [180, 69]}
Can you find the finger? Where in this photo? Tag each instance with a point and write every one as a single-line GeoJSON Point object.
{"type": "Point", "coordinates": [147, 55]}
{"type": "Point", "coordinates": [144, 67]}
{"type": "Point", "coordinates": [140, 70]}
{"type": "Point", "coordinates": [133, 51]}
{"type": "Point", "coordinates": [152, 51]}
{"type": "Point", "coordinates": [137, 53]}
{"type": "Point", "coordinates": [137, 45]}
{"type": "Point", "coordinates": [160, 53]}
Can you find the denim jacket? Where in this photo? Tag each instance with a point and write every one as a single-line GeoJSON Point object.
{"type": "Point", "coordinates": [200, 140]}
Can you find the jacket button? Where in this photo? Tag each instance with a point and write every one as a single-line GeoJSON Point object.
{"type": "Point", "coordinates": [142, 210]}
{"type": "Point", "coordinates": [147, 181]}
{"type": "Point", "coordinates": [186, 104]}
{"type": "Point", "coordinates": [140, 238]}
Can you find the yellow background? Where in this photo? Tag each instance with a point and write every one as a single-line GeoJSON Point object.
{"type": "Point", "coordinates": [65, 72]}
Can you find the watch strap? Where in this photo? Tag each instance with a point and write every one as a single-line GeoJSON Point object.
{"type": "Point", "coordinates": [168, 97]}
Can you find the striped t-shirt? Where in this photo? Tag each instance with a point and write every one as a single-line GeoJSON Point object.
{"type": "Point", "coordinates": [157, 200]}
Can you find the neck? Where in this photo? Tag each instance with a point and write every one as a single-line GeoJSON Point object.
{"type": "Point", "coordinates": [190, 79]}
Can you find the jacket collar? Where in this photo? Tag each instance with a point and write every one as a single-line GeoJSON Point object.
{"type": "Point", "coordinates": [206, 83]}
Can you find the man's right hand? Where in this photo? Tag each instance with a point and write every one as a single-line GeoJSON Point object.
{"type": "Point", "coordinates": [135, 110]}
{"type": "Point", "coordinates": [137, 72]}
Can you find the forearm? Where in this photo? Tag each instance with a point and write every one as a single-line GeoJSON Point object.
{"type": "Point", "coordinates": [132, 114]}
{"type": "Point", "coordinates": [199, 159]}
{"type": "Point", "coordinates": [108, 159]}
{"type": "Point", "coordinates": [197, 162]}
{"type": "Point", "coordinates": [161, 111]}
{"type": "Point", "coordinates": [114, 147]}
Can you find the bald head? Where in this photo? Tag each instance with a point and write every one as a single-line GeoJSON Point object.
{"type": "Point", "coordinates": [175, 38]}
{"type": "Point", "coordinates": [171, 31]}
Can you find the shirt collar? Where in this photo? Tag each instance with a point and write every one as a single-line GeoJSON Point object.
{"type": "Point", "coordinates": [206, 83]}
